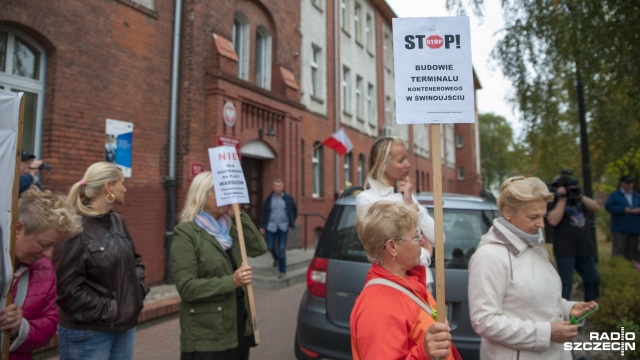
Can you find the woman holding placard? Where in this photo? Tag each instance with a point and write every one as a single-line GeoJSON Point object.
{"type": "Point", "coordinates": [215, 320]}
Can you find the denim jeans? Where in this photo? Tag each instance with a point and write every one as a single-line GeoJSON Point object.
{"type": "Point", "coordinates": [586, 267]}
{"type": "Point", "coordinates": [281, 253]}
{"type": "Point", "coordinates": [77, 344]}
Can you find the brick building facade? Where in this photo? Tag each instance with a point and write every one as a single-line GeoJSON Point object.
{"type": "Point", "coordinates": [281, 66]}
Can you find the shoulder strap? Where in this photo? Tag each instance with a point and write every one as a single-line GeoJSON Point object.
{"type": "Point", "coordinates": [23, 286]}
{"type": "Point", "coordinates": [389, 283]}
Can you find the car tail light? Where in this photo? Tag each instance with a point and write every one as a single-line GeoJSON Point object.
{"type": "Point", "coordinates": [309, 353]}
{"type": "Point", "coordinates": [317, 277]}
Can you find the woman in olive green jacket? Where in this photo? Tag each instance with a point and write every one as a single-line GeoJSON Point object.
{"type": "Point", "coordinates": [207, 267]}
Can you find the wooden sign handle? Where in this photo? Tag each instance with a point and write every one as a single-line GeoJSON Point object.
{"type": "Point", "coordinates": [438, 219]}
{"type": "Point", "coordinates": [243, 252]}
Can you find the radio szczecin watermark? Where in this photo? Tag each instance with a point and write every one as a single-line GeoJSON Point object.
{"type": "Point", "coordinates": [612, 341]}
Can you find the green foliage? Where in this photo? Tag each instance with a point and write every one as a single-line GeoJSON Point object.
{"type": "Point", "coordinates": [544, 47]}
{"type": "Point", "coordinates": [496, 147]}
{"type": "Point", "coordinates": [620, 294]}
{"type": "Point", "coordinates": [631, 326]}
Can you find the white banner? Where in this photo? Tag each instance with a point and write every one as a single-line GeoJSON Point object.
{"type": "Point", "coordinates": [433, 70]}
{"type": "Point", "coordinates": [228, 179]}
{"type": "Point", "coordinates": [9, 122]}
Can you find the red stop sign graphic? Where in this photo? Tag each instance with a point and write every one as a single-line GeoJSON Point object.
{"type": "Point", "coordinates": [434, 41]}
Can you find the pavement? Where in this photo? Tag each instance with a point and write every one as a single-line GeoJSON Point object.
{"type": "Point", "coordinates": [277, 301]}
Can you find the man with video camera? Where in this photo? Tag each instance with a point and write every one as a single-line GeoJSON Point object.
{"type": "Point", "coordinates": [572, 244]}
{"type": "Point", "coordinates": [29, 169]}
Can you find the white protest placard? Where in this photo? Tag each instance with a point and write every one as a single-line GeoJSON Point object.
{"type": "Point", "coordinates": [11, 121]}
{"type": "Point", "coordinates": [228, 179]}
{"type": "Point", "coordinates": [433, 70]}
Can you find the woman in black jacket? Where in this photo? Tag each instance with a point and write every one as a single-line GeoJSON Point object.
{"type": "Point", "coordinates": [100, 276]}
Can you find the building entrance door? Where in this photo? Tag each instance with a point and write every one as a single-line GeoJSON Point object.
{"type": "Point", "coordinates": [252, 169]}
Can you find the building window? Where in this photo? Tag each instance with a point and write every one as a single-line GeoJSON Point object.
{"type": "Point", "coordinates": [368, 33]}
{"type": "Point", "coordinates": [346, 90]}
{"type": "Point", "coordinates": [361, 170]}
{"type": "Point", "coordinates": [357, 26]}
{"type": "Point", "coordinates": [240, 44]}
{"type": "Point", "coordinates": [317, 4]}
{"type": "Point", "coordinates": [303, 168]}
{"type": "Point", "coordinates": [149, 4]}
{"type": "Point", "coordinates": [348, 164]}
{"type": "Point", "coordinates": [22, 69]}
{"type": "Point", "coordinates": [459, 141]}
{"type": "Point", "coordinates": [387, 110]}
{"type": "Point", "coordinates": [460, 173]}
{"type": "Point", "coordinates": [371, 108]}
{"type": "Point", "coordinates": [344, 15]}
{"type": "Point", "coordinates": [318, 165]}
{"type": "Point", "coordinates": [387, 50]}
{"type": "Point", "coordinates": [263, 58]}
{"type": "Point", "coordinates": [316, 78]}
{"type": "Point", "coordinates": [450, 148]}
{"type": "Point", "coordinates": [359, 98]}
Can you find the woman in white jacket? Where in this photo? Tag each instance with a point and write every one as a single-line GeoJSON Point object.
{"type": "Point", "coordinates": [388, 179]}
{"type": "Point", "coordinates": [515, 294]}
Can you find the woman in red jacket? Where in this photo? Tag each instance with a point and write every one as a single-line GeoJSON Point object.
{"type": "Point", "coordinates": [44, 221]}
{"type": "Point", "coordinates": [393, 318]}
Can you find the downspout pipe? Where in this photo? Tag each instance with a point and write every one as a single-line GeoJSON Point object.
{"type": "Point", "coordinates": [170, 180]}
{"type": "Point", "coordinates": [336, 85]}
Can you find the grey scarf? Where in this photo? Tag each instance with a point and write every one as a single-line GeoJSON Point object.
{"type": "Point", "coordinates": [533, 240]}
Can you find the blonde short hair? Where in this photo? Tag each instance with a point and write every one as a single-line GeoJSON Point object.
{"type": "Point", "coordinates": [518, 191]}
{"type": "Point", "coordinates": [91, 185]}
{"type": "Point", "coordinates": [196, 196]}
{"type": "Point", "coordinates": [382, 221]}
{"type": "Point", "coordinates": [380, 157]}
{"type": "Point", "coordinates": [39, 211]}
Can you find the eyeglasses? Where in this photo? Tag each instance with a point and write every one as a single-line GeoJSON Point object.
{"type": "Point", "coordinates": [417, 238]}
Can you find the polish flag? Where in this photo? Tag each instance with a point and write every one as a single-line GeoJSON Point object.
{"type": "Point", "coordinates": [339, 142]}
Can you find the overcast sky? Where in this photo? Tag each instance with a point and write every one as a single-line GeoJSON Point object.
{"type": "Point", "coordinates": [495, 87]}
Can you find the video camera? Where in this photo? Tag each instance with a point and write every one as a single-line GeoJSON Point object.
{"type": "Point", "coordinates": [570, 183]}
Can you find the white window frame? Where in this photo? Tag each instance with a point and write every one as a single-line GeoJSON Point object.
{"type": "Point", "coordinates": [387, 110]}
{"type": "Point", "coordinates": [387, 50]}
{"type": "Point", "coordinates": [348, 163]}
{"type": "Point", "coordinates": [371, 108]}
{"type": "Point", "coordinates": [263, 58]}
{"type": "Point", "coordinates": [357, 23]}
{"type": "Point", "coordinates": [346, 90]}
{"type": "Point", "coordinates": [316, 74]}
{"type": "Point", "coordinates": [240, 41]}
{"type": "Point", "coordinates": [318, 4]}
{"type": "Point", "coordinates": [459, 141]}
{"type": "Point", "coordinates": [317, 165]}
{"type": "Point", "coordinates": [35, 87]}
{"type": "Point", "coordinates": [368, 33]}
{"type": "Point", "coordinates": [460, 172]}
{"type": "Point", "coordinates": [344, 16]}
{"type": "Point", "coordinates": [359, 97]}
{"type": "Point", "coordinates": [361, 169]}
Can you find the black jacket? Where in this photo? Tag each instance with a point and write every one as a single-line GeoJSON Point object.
{"type": "Point", "coordinates": [100, 277]}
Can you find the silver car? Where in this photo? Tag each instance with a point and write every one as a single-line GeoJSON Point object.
{"type": "Point", "coordinates": [337, 272]}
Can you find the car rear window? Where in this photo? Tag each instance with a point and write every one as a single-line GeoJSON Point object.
{"type": "Point", "coordinates": [462, 228]}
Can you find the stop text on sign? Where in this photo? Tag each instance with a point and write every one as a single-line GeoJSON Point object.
{"type": "Point", "coordinates": [434, 41]}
